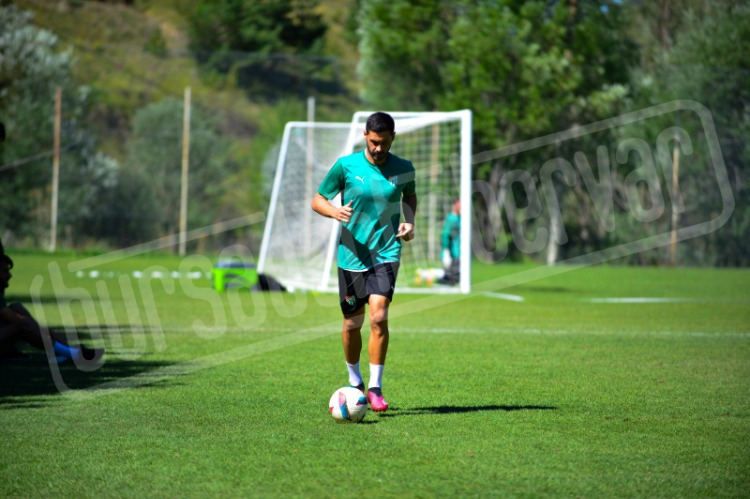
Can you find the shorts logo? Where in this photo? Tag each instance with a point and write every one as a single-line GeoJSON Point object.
{"type": "Point", "coordinates": [351, 300]}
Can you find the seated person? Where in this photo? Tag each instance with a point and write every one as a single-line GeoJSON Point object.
{"type": "Point", "coordinates": [18, 325]}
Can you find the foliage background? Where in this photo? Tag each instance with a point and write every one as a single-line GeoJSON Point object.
{"type": "Point", "coordinates": [525, 69]}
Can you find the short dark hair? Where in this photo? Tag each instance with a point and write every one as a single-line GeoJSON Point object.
{"type": "Point", "coordinates": [380, 122]}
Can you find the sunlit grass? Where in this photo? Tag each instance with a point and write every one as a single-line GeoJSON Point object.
{"type": "Point", "coordinates": [553, 395]}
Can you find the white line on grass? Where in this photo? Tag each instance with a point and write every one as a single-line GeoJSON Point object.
{"type": "Point", "coordinates": [426, 303]}
{"type": "Point", "coordinates": [504, 296]}
{"type": "Point", "coordinates": [659, 300]}
{"type": "Point", "coordinates": [288, 340]}
{"type": "Point", "coordinates": [561, 332]}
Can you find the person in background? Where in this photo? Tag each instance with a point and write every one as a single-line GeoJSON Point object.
{"type": "Point", "coordinates": [18, 325]}
{"type": "Point", "coordinates": [450, 243]}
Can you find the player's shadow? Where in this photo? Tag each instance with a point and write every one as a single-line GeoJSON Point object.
{"type": "Point", "coordinates": [31, 382]}
{"type": "Point", "coordinates": [462, 409]}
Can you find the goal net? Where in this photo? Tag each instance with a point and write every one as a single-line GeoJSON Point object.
{"type": "Point", "coordinates": [299, 246]}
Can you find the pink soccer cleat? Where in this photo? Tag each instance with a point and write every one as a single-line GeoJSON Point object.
{"type": "Point", "coordinates": [376, 400]}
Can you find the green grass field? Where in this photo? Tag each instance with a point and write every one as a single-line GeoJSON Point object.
{"type": "Point", "coordinates": [539, 383]}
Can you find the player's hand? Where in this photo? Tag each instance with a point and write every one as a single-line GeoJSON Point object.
{"type": "Point", "coordinates": [406, 231]}
{"type": "Point", "coordinates": [344, 214]}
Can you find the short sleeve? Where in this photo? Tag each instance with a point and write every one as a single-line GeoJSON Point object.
{"type": "Point", "coordinates": [333, 183]}
{"type": "Point", "coordinates": [410, 188]}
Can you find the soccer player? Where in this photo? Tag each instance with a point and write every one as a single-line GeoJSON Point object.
{"type": "Point", "coordinates": [375, 186]}
{"type": "Point", "coordinates": [450, 241]}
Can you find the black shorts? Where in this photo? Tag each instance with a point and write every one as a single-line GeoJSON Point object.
{"type": "Point", "coordinates": [355, 288]}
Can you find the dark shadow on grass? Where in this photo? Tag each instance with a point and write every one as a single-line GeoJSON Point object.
{"type": "Point", "coordinates": [32, 382]}
{"type": "Point", "coordinates": [457, 409]}
{"type": "Point", "coordinates": [46, 299]}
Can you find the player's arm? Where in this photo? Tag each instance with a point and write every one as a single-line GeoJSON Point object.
{"type": "Point", "coordinates": [9, 315]}
{"type": "Point", "coordinates": [324, 207]}
{"type": "Point", "coordinates": [409, 208]}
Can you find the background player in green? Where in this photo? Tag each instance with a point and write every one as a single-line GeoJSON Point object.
{"type": "Point", "coordinates": [376, 186]}
{"type": "Point", "coordinates": [450, 242]}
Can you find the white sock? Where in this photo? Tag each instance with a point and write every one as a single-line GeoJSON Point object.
{"type": "Point", "coordinates": [376, 376]}
{"type": "Point", "coordinates": [355, 377]}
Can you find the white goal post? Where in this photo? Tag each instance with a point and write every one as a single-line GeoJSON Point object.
{"type": "Point", "coordinates": [299, 246]}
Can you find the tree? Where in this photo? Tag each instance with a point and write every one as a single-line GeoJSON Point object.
{"type": "Point", "coordinates": [526, 69]}
{"type": "Point", "coordinates": [126, 210]}
{"type": "Point", "coordinates": [705, 61]}
{"type": "Point", "coordinates": [156, 153]}
{"type": "Point", "coordinates": [31, 68]}
{"type": "Point", "coordinates": [271, 48]}
{"type": "Point", "coordinates": [403, 46]}
{"type": "Point", "coordinates": [267, 26]}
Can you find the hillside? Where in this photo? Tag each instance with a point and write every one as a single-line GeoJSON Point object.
{"type": "Point", "coordinates": [130, 57]}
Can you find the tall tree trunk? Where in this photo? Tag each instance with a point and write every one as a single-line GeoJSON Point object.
{"type": "Point", "coordinates": [666, 13]}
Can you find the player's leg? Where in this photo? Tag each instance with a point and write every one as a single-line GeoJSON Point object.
{"type": "Point", "coordinates": [351, 338]}
{"type": "Point", "coordinates": [9, 335]}
{"type": "Point", "coordinates": [22, 331]}
{"type": "Point", "coordinates": [381, 283]}
{"type": "Point", "coordinates": [352, 299]}
{"type": "Point", "coordinates": [379, 334]}
{"type": "Point", "coordinates": [377, 348]}
{"type": "Point", "coordinates": [30, 331]}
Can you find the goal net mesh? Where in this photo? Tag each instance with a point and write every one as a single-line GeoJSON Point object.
{"type": "Point", "coordinates": [299, 246]}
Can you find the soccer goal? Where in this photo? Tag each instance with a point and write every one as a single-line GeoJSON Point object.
{"type": "Point", "coordinates": [299, 246]}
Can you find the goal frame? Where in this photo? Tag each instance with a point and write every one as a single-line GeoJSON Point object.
{"type": "Point", "coordinates": [405, 122]}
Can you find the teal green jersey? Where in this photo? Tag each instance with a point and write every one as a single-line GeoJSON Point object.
{"type": "Point", "coordinates": [369, 238]}
{"type": "Point", "coordinates": [451, 236]}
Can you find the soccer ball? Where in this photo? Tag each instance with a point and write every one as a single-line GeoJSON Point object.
{"type": "Point", "coordinates": [348, 405]}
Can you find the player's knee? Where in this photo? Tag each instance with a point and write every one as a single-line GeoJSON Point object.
{"type": "Point", "coordinates": [379, 321]}
{"type": "Point", "coordinates": [378, 317]}
{"type": "Point", "coordinates": [354, 324]}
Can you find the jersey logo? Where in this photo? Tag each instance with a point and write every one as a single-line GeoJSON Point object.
{"type": "Point", "coordinates": [393, 180]}
{"type": "Point", "coordinates": [361, 179]}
